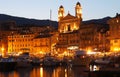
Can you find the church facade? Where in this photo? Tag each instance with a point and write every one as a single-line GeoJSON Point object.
{"type": "Point", "coordinates": [68, 28]}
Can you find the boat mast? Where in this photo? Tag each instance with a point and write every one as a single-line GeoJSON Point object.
{"type": "Point", "coordinates": [50, 29]}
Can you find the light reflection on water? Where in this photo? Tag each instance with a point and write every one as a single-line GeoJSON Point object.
{"type": "Point", "coordinates": [47, 72]}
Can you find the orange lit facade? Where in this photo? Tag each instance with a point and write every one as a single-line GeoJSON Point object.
{"type": "Point", "coordinates": [4, 42]}
{"type": "Point", "coordinates": [42, 44]}
{"type": "Point", "coordinates": [5, 27]}
{"type": "Point", "coordinates": [115, 33]}
{"type": "Point", "coordinates": [45, 43]}
{"type": "Point", "coordinates": [68, 28]}
{"type": "Point", "coordinates": [20, 43]}
{"type": "Point", "coordinates": [92, 39]}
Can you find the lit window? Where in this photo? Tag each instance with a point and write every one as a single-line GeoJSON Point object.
{"type": "Point", "coordinates": [117, 20]}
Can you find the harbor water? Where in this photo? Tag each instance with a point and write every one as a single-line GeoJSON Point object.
{"type": "Point", "coordinates": [47, 72]}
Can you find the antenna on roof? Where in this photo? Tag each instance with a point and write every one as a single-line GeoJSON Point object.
{"type": "Point", "coordinates": [50, 14]}
{"type": "Point", "coordinates": [50, 29]}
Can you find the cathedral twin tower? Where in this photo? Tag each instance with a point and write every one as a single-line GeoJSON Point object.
{"type": "Point", "coordinates": [69, 23]}
{"type": "Point", "coordinates": [78, 11]}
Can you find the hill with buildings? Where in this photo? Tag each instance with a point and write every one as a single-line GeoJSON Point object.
{"type": "Point", "coordinates": [21, 21]}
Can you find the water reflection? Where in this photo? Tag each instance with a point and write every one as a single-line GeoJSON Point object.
{"type": "Point", "coordinates": [41, 72]}
{"type": "Point", "coordinates": [47, 72]}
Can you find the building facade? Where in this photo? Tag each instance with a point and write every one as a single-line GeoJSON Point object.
{"type": "Point", "coordinates": [68, 28]}
{"type": "Point", "coordinates": [114, 24]}
{"type": "Point", "coordinates": [42, 44]}
{"type": "Point", "coordinates": [20, 43]}
{"type": "Point", "coordinates": [94, 37]}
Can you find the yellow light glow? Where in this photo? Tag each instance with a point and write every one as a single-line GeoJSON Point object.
{"type": "Point", "coordinates": [89, 51]}
{"type": "Point", "coordinates": [56, 52]}
{"type": "Point", "coordinates": [115, 49]}
{"type": "Point", "coordinates": [41, 52]}
{"type": "Point", "coordinates": [66, 73]}
{"type": "Point", "coordinates": [60, 15]}
{"type": "Point", "coordinates": [41, 72]}
{"type": "Point", "coordinates": [75, 27]}
{"type": "Point", "coordinates": [72, 47]}
{"type": "Point", "coordinates": [2, 49]}
{"type": "Point", "coordinates": [19, 53]}
{"type": "Point", "coordinates": [65, 53]}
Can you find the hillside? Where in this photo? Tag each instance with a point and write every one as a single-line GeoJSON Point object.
{"type": "Point", "coordinates": [20, 21]}
{"type": "Point", "coordinates": [101, 21]}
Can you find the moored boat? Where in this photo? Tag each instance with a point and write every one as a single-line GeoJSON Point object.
{"type": "Point", "coordinates": [81, 59]}
{"type": "Point", "coordinates": [50, 61]}
{"type": "Point", "coordinates": [36, 61]}
{"type": "Point", "coordinates": [23, 61]}
{"type": "Point", "coordinates": [7, 64]}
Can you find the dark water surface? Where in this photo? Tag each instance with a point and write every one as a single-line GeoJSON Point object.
{"type": "Point", "coordinates": [46, 72]}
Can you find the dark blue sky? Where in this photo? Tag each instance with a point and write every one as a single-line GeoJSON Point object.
{"type": "Point", "coordinates": [40, 9]}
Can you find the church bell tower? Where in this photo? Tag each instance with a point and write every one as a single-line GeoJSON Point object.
{"type": "Point", "coordinates": [60, 12]}
{"type": "Point", "coordinates": [78, 10]}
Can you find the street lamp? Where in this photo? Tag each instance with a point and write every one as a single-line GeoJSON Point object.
{"type": "Point", "coordinates": [2, 49]}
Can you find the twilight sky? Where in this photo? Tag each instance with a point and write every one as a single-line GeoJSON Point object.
{"type": "Point", "coordinates": [40, 9]}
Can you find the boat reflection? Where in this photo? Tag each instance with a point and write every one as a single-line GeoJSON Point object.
{"type": "Point", "coordinates": [47, 72]}
{"type": "Point", "coordinates": [41, 72]}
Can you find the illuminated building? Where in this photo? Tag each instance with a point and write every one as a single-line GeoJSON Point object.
{"type": "Point", "coordinates": [68, 29]}
{"type": "Point", "coordinates": [45, 43]}
{"type": "Point", "coordinates": [20, 43]}
{"type": "Point", "coordinates": [91, 37]}
{"type": "Point", "coordinates": [4, 40]}
{"type": "Point", "coordinates": [115, 33]}
{"type": "Point", "coordinates": [0, 43]}
{"type": "Point", "coordinates": [5, 30]}
{"type": "Point", "coordinates": [42, 44]}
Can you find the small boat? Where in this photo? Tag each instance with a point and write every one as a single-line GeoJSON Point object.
{"type": "Point", "coordinates": [36, 61]}
{"type": "Point", "coordinates": [23, 61]}
{"type": "Point", "coordinates": [81, 59]}
{"type": "Point", "coordinates": [102, 61]}
{"type": "Point", "coordinates": [50, 61]}
{"type": "Point", "coordinates": [100, 64]}
{"type": "Point", "coordinates": [7, 64]}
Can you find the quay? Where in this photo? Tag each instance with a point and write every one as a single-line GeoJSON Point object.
{"type": "Point", "coordinates": [104, 73]}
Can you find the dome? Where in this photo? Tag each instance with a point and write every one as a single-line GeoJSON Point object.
{"type": "Point", "coordinates": [61, 6]}
{"type": "Point", "coordinates": [78, 3]}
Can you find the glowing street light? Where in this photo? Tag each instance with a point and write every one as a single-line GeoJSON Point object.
{"type": "Point", "coordinates": [2, 49]}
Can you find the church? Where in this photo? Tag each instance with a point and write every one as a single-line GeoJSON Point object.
{"type": "Point", "coordinates": [68, 29]}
